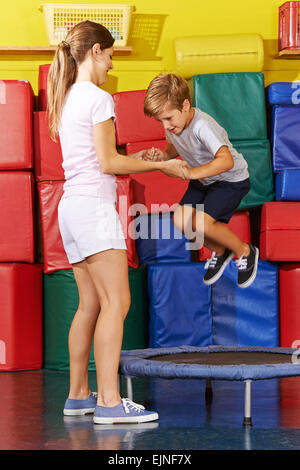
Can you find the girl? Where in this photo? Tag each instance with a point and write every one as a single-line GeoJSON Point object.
{"type": "Point", "coordinates": [82, 114]}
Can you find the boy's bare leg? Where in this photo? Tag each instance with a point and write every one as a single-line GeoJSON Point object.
{"type": "Point", "coordinates": [184, 221]}
{"type": "Point", "coordinates": [214, 246]}
{"type": "Point", "coordinates": [219, 234]}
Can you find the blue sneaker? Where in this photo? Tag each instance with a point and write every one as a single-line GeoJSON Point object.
{"type": "Point", "coordinates": [80, 407]}
{"type": "Point", "coordinates": [126, 412]}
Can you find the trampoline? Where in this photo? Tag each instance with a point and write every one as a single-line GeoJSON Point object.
{"type": "Point", "coordinates": [211, 363]}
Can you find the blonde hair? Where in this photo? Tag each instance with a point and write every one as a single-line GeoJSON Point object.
{"type": "Point", "coordinates": [166, 89]}
{"type": "Point", "coordinates": [63, 70]}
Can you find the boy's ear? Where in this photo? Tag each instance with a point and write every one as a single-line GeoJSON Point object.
{"type": "Point", "coordinates": [186, 105]}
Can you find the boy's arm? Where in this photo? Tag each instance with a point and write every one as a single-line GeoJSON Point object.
{"type": "Point", "coordinates": [223, 161]}
{"type": "Point", "coordinates": [170, 152]}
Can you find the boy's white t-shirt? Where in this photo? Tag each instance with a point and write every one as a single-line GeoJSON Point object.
{"type": "Point", "coordinates": [199, 143]}
{"type": "Point", "coordinates": [85, 105]}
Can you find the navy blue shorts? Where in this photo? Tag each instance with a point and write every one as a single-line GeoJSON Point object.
{"type": "Point", "coordinates": [220, 199]}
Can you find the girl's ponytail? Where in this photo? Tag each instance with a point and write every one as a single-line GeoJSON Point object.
{"type": "Point", "coordinates": [63, 71]}
{"type": "Point", "coordinates": [61, 76]}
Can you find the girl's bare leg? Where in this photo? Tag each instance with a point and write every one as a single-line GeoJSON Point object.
{"type": "Point", "coordinates": [109, 272]}
{"type": "Point", "coordinates": [82, 332]}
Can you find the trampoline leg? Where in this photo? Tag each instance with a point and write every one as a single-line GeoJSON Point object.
{"type": "Point", "coordinates": [129, 390]}
{"type": "Point", "coordinates": [208, 392]}
{"type": "Point", "coordinates": [247, 404]}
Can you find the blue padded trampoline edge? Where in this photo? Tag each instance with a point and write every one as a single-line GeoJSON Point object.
{"type": "Point", "coordinates": [136, 363]}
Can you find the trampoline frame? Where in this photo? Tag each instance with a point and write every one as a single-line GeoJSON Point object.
{"type": "Point", "coordinates": [137, 363]}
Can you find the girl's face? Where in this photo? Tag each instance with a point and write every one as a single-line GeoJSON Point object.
{"type": "Point", "coordinates": [103, 64]}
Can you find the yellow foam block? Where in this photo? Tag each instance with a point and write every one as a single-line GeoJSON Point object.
{"type": "Point", "coordinates": [219, 54]}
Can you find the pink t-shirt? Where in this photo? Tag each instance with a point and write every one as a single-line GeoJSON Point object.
{"type": "Point", "coordinates": [85, 106]}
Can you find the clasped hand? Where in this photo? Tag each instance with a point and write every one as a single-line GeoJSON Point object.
{"type": "Point", "coordinates": [176, 168]}
{"type": "Point", "coordinates": [173, 167]}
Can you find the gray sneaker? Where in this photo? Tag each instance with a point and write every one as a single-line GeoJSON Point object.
{"type": "Point", "coordinates": [125, 412]}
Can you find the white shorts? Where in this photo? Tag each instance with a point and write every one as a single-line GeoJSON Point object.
{"type": "Point", "coordinates": [89, 225]}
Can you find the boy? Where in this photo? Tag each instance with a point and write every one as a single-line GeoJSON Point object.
{"type": "Point", "coordinates": [218, 175]}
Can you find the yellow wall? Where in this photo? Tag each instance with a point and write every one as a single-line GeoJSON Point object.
{"type": "Point", "coordinates": [155, 25]}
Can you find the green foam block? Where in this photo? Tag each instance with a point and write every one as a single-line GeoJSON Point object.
{"type": "Point", "coordinates": [235, 100]}
{"type": "Point", "coordinates": [258, 156]}
{"type": "Point", "coordinates": [60, 305]}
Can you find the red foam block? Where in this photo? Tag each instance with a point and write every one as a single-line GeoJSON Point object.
{"type": "Point", "coordinates": [131, 123]}
{"type": "Point", "coordinates": [21, 319]}
{"type": "Point", "coordinates": [16, 141]}
{"type": "Point", "coordinates": [239, 224]}
{"type": "Point", "coordinates": [289, 295]}
{"type": "Point", "coordinates": [280, 231]}
{"type": "Point", "coordinates": [54, 255]}
{"type": "Point", "coordinates": [124, 201]}
{"type": "Point", "coordinates": [42, 87]}
{"type": "Point", "coordinates": [47, 153]}
{"type": "Point", "coordinates": [17, 242]}
{"type": "Point", "coordinates": [155, 191]}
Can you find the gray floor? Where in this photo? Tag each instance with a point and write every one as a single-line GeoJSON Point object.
{"type": "Point", "coordinates": [31, 416]}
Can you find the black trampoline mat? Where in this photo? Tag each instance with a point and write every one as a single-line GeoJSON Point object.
{"type": "Point", "coordinates": [225, 358]}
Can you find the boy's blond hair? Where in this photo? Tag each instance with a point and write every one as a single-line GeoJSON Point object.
{"type": "Point", "coordinates": [165, 89]}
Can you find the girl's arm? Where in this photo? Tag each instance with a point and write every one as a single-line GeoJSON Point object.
{"type": "Point", "coordinates": [111, 162]}
{"type": "Point", "coordinates": [223, 161]}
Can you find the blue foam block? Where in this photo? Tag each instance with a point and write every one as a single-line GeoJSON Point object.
{"type": "Point", "coordinates": [159, 241]}
{"type": "Point", "coordinates": [286, 137]}
{"type": "Point", "coordinates": [246, 317]}
{"type": "Point", "coordinates": [180, 305]}
{"type": "Point", "coordinates": [284, 93]}
{"type": "Point", "coordinates": [287, 185]}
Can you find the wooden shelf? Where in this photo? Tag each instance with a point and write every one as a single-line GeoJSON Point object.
{"type": "Point", "coordinates": [288, 54]}
{"type": "Point", "coordinates": [49, 50]}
